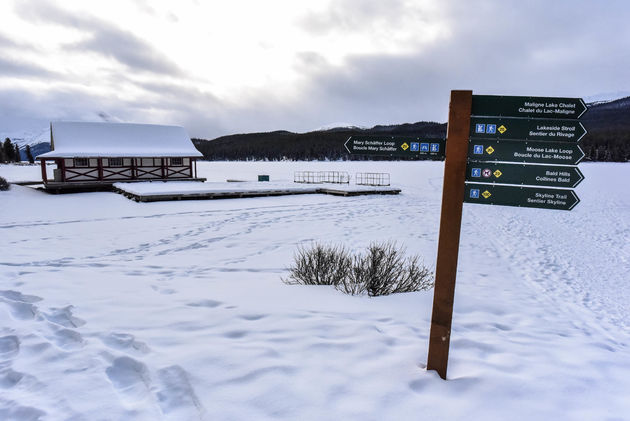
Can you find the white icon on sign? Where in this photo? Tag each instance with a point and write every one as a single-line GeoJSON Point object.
{"type": "Point", "coordinates": [478, 150]}
{"type": "Point", "coordinates": [480, 128]}
{"type": "Point", "coordinates": [474, 193]}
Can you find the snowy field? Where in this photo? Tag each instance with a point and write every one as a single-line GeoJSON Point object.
{"type": "Point", "coordinates": [116, 310]}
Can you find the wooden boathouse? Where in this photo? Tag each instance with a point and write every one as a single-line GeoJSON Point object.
{"type": "Point", "coordinates": [93, 155]}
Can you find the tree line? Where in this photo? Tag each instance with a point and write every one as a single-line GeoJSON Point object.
{"type": "Point", "coordinates": [318, 145]}
{"type": "Point", "coordinates": [607, 124]}
{"type": "Point", "coordinates": [10, 152]}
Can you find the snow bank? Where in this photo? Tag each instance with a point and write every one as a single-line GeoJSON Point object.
{"type": "Point", "coordinates": [176, 311]}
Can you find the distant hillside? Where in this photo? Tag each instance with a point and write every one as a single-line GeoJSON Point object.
{"type": "Point", "coordinates": [608, 126]}
{"type": "Point", "coordinates": [317, 145]}
{"type": "Point", "coordinates": [607, 123]}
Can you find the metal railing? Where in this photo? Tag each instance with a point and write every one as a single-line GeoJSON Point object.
{"type": "Point", "coordinates": [372, 179]}
{"type": "Point", "coordinates": [319, 177]}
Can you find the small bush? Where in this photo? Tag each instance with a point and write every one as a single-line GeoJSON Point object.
{"type": "Point", "coordinates": [320, 265]}
{"type": "Point", "coordinates": [382, 270]}
{"type": "Point", "coordinates": [4, 184]}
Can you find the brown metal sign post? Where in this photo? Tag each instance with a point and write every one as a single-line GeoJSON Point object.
{"type": "Point", "coordinates": [457, 136]}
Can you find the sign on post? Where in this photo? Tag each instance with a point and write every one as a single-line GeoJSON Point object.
{"type": "Point", "coordinates": [497, 146]}
{"type": "Point", "coordinates": [527, 106]}
{"type": "Point", "coordinates": [526, 129]}
{"type": "Point", "coordinates": [525, 152]}
{"type": "Point", "coordinates": [532, 197]}
{"type": "Point", "coordinates": [533, 175]}
{"type": "Point", "coordinates": [396, 146]}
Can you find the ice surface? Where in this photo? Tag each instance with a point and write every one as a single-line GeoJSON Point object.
{"type": "Point", "coordinates": [175, 310]}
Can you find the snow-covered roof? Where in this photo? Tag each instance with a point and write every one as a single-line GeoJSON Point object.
{"type": "Point", "coordinates": [79, 139]}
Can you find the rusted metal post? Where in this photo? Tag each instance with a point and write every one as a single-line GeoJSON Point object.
{"type": "Point", "coordinates": [457, 136]}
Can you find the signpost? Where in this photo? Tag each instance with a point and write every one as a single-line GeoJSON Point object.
{"type": "Point", "coordinates": [532, 197]}
{"type": "Point", "coordinates": [526, 129]}
{"type": "Point", "coordinates": [526, 152]}
{"type": "Point", "coordinates": [532, 175]}
{"type": "Point", "coordinates": [496, 145]}
{"type": "Point", "coordinates": [396, 146]}
{"type": "Point", "coordinates": [527, 106]}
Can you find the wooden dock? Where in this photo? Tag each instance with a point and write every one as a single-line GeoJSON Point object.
{"type": "Point", "coordinates": [374, 190]}
{"type": "Point", "coordinates": [154, 192]}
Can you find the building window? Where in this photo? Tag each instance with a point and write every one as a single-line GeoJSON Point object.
{"type": "Point", "coordinates": [115, 162]}
{"type": "Point", "coordinates": [177, 161]}
{"type": "Point", "coordinates": [81, 162]}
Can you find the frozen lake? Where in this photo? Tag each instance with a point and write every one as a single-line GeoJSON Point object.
{"type": "Point", "coordinates": [111, 309]}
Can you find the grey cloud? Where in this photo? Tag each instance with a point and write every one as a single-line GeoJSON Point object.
{"type": "Point", "coordinates": [201, 114]}
{"type": "Point", "coordinates": [494, 47]}
{"type": "Point", "coordinates": [128, 50]}
{"type": "Point", "coordinates": [103, 38]}
{"type": "Point", "coordinates": [353, 16]}
{"type": "Point", "coordinates": [7, 42]}
{"type": "Point", "coordinates": [10, 66]}
{"type": "Point", "coordinates": [563, 48]}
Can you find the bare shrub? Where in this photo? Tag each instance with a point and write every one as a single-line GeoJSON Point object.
{"type": "Point", "coordinates": [4, 184]}
{"type": "Point", "coordinates": [382, 270]}
{"type": "Point", "coordinates": [385, 270]}
{"type": "Point", "coordinates": [319, 265]}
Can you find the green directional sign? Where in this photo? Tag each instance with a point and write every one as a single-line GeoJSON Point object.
{"type": "Point", "coordinates": [397, 146]}
{"type": "Point", "coordinates": [527, 106]}
{"type": "Point", "coordinates": [526, 129]}
{"type": "Point", "coordinates": [534, 175]}
{"type": "Point", "coordinates": [524, 151]}
{"type": "Point", "coordinates": [531, 197]}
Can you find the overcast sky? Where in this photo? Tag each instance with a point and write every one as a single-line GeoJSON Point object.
{"type": "Point", "coordinates": [221, 67]}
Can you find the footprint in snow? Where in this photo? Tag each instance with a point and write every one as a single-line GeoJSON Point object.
{"type": "Point", "coordinates": [66, 339]}
{"type": "Point", "coordinates": [125, 342]}
{"type": "Point", "coordinates": [9, 347]}
{"type": "Point", "coordinates": [18, 296]}
{"type": "Point", "coordinates": [63, 316]}
{"type": "Point", "coordinates": [130, 378]}
{"type": "Point", "coordinates": [205, 303]}
{"type": "Point", "coordinates": [10, 378]}
{"type": "Point", "coordinates": [176, 396]}
{"type": "Point", "coordinates": [21, 310]}
{"type": "Point", "coordinates": [14, 411]}
{"type": "Point", "coordinates": [253, 317]}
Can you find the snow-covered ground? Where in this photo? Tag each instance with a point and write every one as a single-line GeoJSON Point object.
{"type": "Point", "coordinates": [111, 309]}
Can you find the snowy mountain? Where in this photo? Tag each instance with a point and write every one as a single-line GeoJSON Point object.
{"type": "Point", "coordinates": [606, 97]}
{"type": "Point", "coordinates": [39, 138]}
{"type": "Point", "coordinates": [336, 126]}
